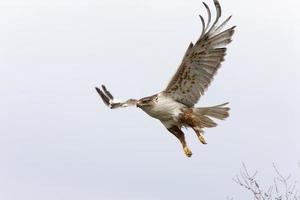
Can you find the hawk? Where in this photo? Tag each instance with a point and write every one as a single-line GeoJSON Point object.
{"type": "Point", "coordinates": [175, 105]}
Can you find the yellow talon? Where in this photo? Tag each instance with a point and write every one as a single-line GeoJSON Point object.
{"type": "Point", "coordinates": [187, 152]}
{"type": "Point", "coordinates": [202, 139]}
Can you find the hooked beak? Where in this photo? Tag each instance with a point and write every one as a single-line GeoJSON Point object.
{"type": "Point", "coordinates": [138, 104]}
{"type": "Point", "coordinates": [141, 104]}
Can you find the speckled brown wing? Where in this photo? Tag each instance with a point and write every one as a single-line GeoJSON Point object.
{"type": "Point", "coordinates": [201, 61]}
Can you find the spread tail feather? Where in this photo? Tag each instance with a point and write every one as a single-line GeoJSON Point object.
{"type": "Point", "coordinates": [218, 112]}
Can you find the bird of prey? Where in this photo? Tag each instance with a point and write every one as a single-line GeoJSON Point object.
{"type": "Point", "coordinates": [175, 105]}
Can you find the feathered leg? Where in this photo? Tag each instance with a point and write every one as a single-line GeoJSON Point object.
{"type": "Point", "coordinates": [188, 117]}
{"type": "Point", "coordinates": [180, 135]}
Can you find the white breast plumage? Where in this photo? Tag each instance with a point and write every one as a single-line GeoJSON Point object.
{"type": "Point", "coordinates": [165, 108]}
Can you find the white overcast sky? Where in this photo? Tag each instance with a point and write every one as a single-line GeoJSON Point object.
{"type": "Point", "coordinates": [58, 140]}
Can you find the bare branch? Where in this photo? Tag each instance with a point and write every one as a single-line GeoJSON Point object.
{"type": "Point", "coordinates": [280, 189]}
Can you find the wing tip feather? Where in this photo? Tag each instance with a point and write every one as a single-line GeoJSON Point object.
{"type": "Point", "coordinates": [104, 98]}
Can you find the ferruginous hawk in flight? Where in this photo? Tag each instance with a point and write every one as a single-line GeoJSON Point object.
{"type": "Point", "coordinates": [174, 106]}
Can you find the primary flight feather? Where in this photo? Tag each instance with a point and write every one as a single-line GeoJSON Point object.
{"type": "Point", "coordinates": [174, 106]}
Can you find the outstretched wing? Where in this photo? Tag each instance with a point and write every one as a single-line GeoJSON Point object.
{"type": "Point", "coordinates": [109, 100]}
{"type": "Point", "coordinates": [201, 61]}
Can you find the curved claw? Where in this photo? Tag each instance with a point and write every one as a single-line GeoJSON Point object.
{"type": "Point", "coordinates": [187, 151]}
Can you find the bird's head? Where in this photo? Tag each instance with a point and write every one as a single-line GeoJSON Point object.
{"type": "Point", "coordinates": [146, 102]}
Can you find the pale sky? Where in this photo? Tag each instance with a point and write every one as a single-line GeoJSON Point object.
{"type": "Point", "coordinates": [58, 140]}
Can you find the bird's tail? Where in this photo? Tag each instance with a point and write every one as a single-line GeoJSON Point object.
{"type": "Point", "coordinates": [204, 114]}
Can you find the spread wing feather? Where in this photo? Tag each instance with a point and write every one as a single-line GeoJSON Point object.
{"type": "Point", "coordinates": [201, 61]}
{"type": "Point", "coordinates": [109, 100]}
